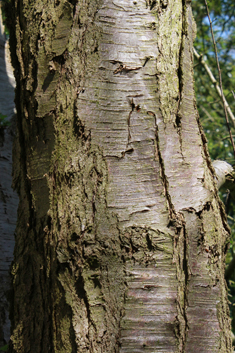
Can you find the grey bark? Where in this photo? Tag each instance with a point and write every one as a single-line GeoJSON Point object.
{"type": "Point", "coordinates": [121, 236]}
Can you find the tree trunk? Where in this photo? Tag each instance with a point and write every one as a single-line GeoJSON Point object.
{"type": "Point", "coordinates": [121, 236]}
{"type": "Point", "coordinates": [8, 198]}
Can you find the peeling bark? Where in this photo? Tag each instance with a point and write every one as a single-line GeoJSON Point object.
{"type": "Point", "coordinates": [121, 236]}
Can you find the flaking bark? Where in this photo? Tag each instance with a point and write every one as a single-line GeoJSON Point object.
{"type": "Point", "coordinates": [121, 236]}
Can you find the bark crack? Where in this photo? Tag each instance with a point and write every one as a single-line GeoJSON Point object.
{"type": "Point", "coordinates": [123, 68]}
{"type": "Point", "coordinates": [162, 171]}
{"type": "Point", "coordinates": [180, 257]}
{"type": "Point", "coordinates": [177, 224]}
{"type": "Point", "coordinates": [178, 117]}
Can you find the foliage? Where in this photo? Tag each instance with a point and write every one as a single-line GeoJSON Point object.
{"type": "Point", "coordinates": [209, 104]}
{"type": "Point", "coordinates": [4, 348]}
{"type": "Point", "coordinates": [3, 122]}
{"type": "Point", "coordinates": [5, 5]}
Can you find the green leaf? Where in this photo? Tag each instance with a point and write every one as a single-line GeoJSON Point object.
{"type": "Point", "coordinates": [3, 122]}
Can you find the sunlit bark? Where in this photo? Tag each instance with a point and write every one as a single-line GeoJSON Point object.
{"type": "Point", "coordinates": [121, 236]}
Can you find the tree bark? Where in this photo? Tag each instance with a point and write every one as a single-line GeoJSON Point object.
{"type": "Point", "coordinates": [121, 236]}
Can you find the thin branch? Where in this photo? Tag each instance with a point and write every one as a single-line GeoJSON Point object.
{"type": "Point", "coordinates": [220, 78]}
{"type": "Point", "coordinates": [216, 85]}
{"type": "Point", "coordinates": [226, 138]}
{"type": "Point", "coordinates": [207, 114]}
{"type": "Point", "coordinates": [231, 218]}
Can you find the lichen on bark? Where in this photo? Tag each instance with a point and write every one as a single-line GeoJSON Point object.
{"type": "Point", "coordinates": [114, 247]}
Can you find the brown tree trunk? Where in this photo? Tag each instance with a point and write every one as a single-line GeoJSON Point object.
{"type": "Point", "coordinates": [121, 236]}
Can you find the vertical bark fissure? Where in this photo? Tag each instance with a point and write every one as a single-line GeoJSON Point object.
{"type": "Point", "coordinates": [177, 223]}
{"type": "Point", "coordinates": [19, 180]}
{"type": "Point", "coordinates": [172, 213]}
{"type": "Point", "coordinates": [183, 261]}
{"type": "Point", "coordinates": [123, 183]}
{"type": "Point", "coordinates": [181, 80]}
{"type": "Point", "coordinates": [181, 249]}
{"type": "Point", "coordinates": [176, 219]}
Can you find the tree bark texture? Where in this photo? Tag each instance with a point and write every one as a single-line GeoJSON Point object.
{"type": "Point", "coordinates": [121, 236]}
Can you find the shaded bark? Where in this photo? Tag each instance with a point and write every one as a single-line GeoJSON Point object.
{"type": "Point", "coordinates": [121, 236]}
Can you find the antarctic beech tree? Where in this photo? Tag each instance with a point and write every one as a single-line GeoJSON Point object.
{"type": "Point", "coordinates": [121, 236]}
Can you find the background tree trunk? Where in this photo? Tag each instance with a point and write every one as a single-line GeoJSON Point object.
{"type": "Point", "coordinates": [8, 198]}
{"type": "Point", "coordinates": [121, 236]}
